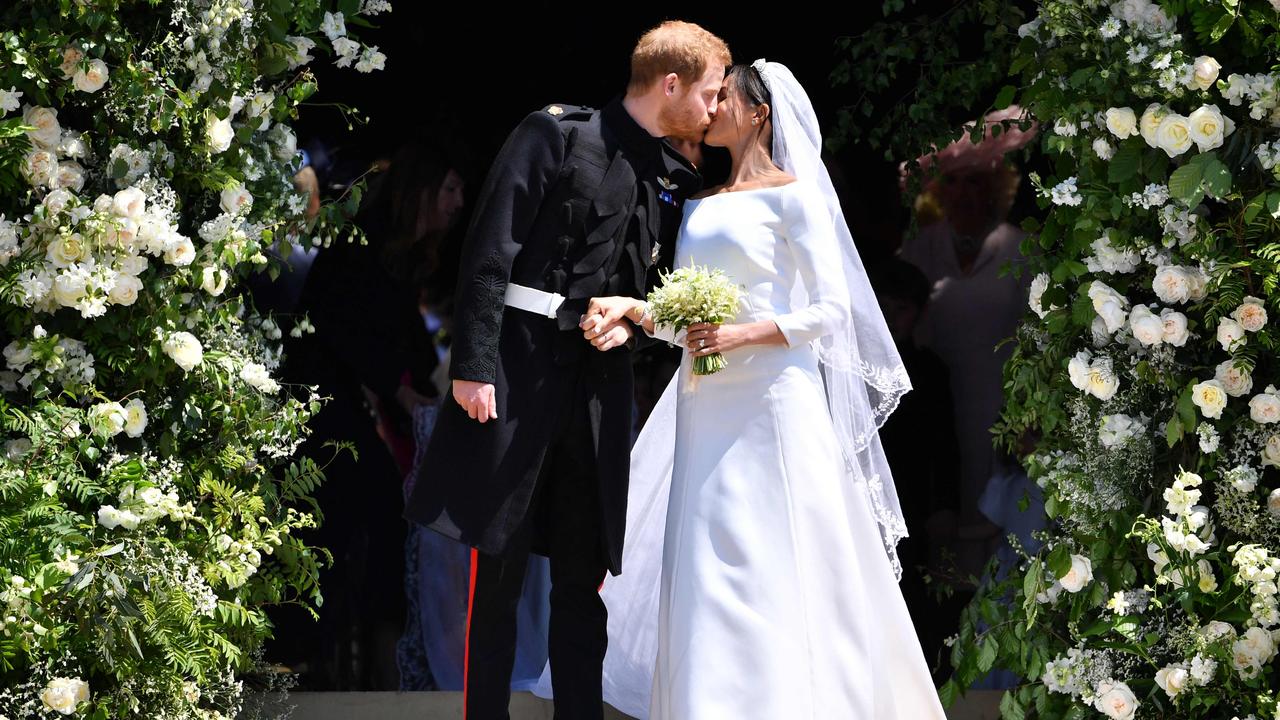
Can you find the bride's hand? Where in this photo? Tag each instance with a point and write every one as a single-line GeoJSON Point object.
{"type": "Point", "coordinates": [706, 339]}
{"type": "Point", "coordinates": [611, 309]}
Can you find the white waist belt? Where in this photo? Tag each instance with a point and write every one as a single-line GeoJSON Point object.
{"type": "Point", "coordinates": [537, 302]}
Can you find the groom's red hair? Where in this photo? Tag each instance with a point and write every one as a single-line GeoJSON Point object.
{"type": "Point", "coordinates": [676, 47]}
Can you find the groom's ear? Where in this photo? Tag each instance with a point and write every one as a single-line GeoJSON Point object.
{"type": "Point", "coordinates": [671, 84]}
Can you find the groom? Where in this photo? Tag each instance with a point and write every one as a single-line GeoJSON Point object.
{"type": "Point", "coordinates": [533, 452]}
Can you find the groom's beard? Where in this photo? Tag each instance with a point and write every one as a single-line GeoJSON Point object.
{"type": "Point", "coordinates": [683, 122]}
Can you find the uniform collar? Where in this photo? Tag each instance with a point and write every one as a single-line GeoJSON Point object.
{"type": "Point", "coordinates": [668, 161]}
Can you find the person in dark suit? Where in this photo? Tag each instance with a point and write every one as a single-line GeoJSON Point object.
{"type": "Point", "coordinates": [534, 453]}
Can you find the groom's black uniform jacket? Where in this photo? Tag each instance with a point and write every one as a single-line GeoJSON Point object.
{"type": "Point", "coordinates": [578, 202]}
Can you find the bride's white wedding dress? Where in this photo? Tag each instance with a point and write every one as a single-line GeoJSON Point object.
{"type": "Point", "coordinates": [777, 599]}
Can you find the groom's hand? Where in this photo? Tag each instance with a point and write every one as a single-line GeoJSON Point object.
{"type": "Point", "coordinates": [478, 399]}
{"type": "Point", "coordinates": [606, 335]}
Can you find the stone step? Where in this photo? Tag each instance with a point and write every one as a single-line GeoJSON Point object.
{"type": "Point", "coordinates": [978, 705]}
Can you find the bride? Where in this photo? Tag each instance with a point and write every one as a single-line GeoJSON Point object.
{"type": "Point", "coordinates": [760, 575]}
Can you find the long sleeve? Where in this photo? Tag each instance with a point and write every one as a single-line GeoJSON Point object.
{"type": "Point", "coordinates": [505, 211]}
{"type": "Point", "coordinates": [810, 234]}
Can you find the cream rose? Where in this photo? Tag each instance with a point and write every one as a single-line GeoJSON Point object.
{"type": "Point", "coordinates": [1175, 327]}
{"type": "Point", "coordinates": [129, 203]}
{"type": "Point", "coordinates": [1230, 334]}
{"type": "Point", "coordinates": [1271, 451]}
{"type": "Point", "coordinates": [1078, 370]}
{"type": "Point", "coordinates": [1236, 381]}
{"type": "Point", "coordinates": [1103, 383]}
{"type": "Point", "coordinates": [1079, 575]}
{"type": "Point", "coordinates": [1174, 135]}
{"type": "Point", "coordinates": [184, 349]}
{"type": "Point", "coordinates": [1122, 122]}
{"type": "Point", "coordinates": [1146, 327]}
{"type": "Point", "coordinates": [236, 199]}
{"type": "Point", "coordinates": [91, 79]}
{"type": "Point", "coordinates": [219, 134]}
{"type": "Point", "coordinates": [126, 290]}
{"type": "Point", "coordinates": [69, 175]}
{"type": "Point", "coordinates": [1265, 408]}
{"type": "Point", "coordinates": [107, 419]}
{"type": "Point", "coordinates": [1172, 284]}
{"type": "Point", "coordinates": [1116, 701]}
{"type": "Point", "coordinates": [1207, 127]}
{"type": "Point", "coordinates": [1173, 679]}
{"type": "Point", "coordinates": [179, 251]}
{"type": "Point", "coordinates": [62, 695]}
{"type": "Point", "coordinates": [1149, 124]}
{"type": "Point", "coordinates": [1210, 397]}
{"type": "Point", "coordinates": [71, 57]}
{"type": "Point", "coordinates": [65, 250]}
{"type": "Point", "coordinates": [47, 132]}
{"type": "Point", "coordinates": [135, 418]}
{"type": "Point", "coordinates": [1252, 314]}
{"type": "Point", "coordinates": [1205, 72]}
{"type": "Point", "coordinates": [41, 168]}
{"type": "Point", "coordinates": [213, 280]}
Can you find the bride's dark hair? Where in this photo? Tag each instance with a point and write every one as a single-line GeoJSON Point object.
{"type": "Point", "coordinates": [748, 80]}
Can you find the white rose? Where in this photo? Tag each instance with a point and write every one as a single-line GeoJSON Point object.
{"type": "Point", "coordinates": [1147, 328]}
{"type": "Point", "coordinates": [66, 250]}
{"type": "Point", "coordinates": [1172, 679]}
{"type": "Point", "coordinates": [1206, 72]}
{"type": "Point", "coordinates": [70, 175]}
{"type": "Point", "coordinates": [1079, 575]}
{"type": "Point", "coordinates": [126, 290]}
{"type": "Point", "coordinates": [129, 203]}
{"type": "Point", "coordinates": [1235, 381]}
{"type": "Point", "coordinates": [92, 78]}
{"type": "Point", "coordinates": [184, 349]}
{"type": "Point", "coordinates": [1271, 452]}
{"type": "Point", "coordinates": [1174, 135]}
{"type": "Point", "coordinates": [1103, 383]}
{"type": "Point", "coordinates": [1230, 334]}
{"type": "Point", "coordinates": [1252, 314]}
{"type": "Point", "coordinates": [1150, 123]}
{"type": "Point", "coordinates": [219, 134]}
{"type": "Point", "coordinates": [1078, 370]}
{"type": "Point", "coordinates": [1122, 122]}
{"type": "Point", "coordinates": [69, 289]}
{"type": "Point", "coordinates": [135, 418]}
{"type": "Point", "coordinates": [1116, 701]}
{"type": "Point", "coordinates": [41, 167]}
{"type": "Point", "coordinates": [62, 695]}
{"type": "Point", "coordinates": [1207, 127]}
{"type": "Point", "coordinates": [286, 143]}
{"type": "Point", "coordinates": [213, 280]}
{"type": "Point", "coordinates": [1175, 327]}
{"type": "Point", "coordinates": [179, 251]}
{"type": "Point", "coordinates": [1103, 149]}
{"type": "Point", "coordinates": [1210, 397]}
{"type": "Point", "coordinates": [236, 199]}
{"type": "Point", "coordinates": [107, 419]}
{"type": "Point", "coordinates": [1265, 408]}
{"type": "Point", "coordinates": [1038, 287]}
{"type": "Point", "coordinates": [1172, 284]}
{"type": "Point", "coordinates": [1273, 502]}
{"type": "Point", "coordinates": [255, 375]}
{"type": "Point", "coordinates": [47, 133]}
{"type": "Point", "coordinates": [71, 57]}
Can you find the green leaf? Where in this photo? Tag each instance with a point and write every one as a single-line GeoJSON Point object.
{"type": "Point", "coordinates": [1217, 178]}
{"type": "Point", "coordinates": [987, 654]}
{"type": "Point", "coordinates": [1184, 183]}
{"type": "Point", "coordinates": [1124, 165]}
{"type": "Point", "coordinates": [1255, 207]}
{"type": "Point", "coordinates": [1005, 97]}
{"type": "Point", "coordinates": [1173, 431]}
{"type": "Point", "coordinates": [1059, 561]}
{"type": "Point", "coordinates": [1010, 708]}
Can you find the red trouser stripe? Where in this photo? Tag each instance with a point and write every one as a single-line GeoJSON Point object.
{"type": "Point", "coordinates": [466, 653]}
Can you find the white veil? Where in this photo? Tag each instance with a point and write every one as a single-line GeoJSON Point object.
{"type": "Point", "coordinates": [864, 378]}
{"type": "Point", "coordinates": [861, 367]}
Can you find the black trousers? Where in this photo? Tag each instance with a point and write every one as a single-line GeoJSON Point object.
{"type": "Point", "coordinates": [566, 514]}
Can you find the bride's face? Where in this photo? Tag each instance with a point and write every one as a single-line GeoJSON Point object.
{"type": "Point", "coordinates": [732, 124]}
